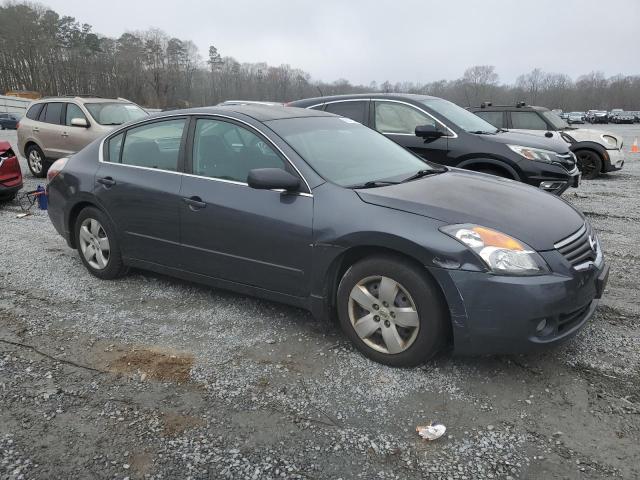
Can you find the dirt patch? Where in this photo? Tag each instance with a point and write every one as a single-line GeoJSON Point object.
{"type": "Point", "coordinates": [141, 464]}
{"type": "Point", "coordinates": [154, 364]}
{"type": "Point", "coordinates": [175, 423]}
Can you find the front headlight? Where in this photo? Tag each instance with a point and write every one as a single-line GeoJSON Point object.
{"type": "Point", "coordinates": [534, 153]}
{"type": "Point", "coordinates": [501, 253]}
{"type": "Point", "coordinates": [609, 140]}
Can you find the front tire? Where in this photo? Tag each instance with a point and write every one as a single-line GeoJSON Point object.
{"type": "Point", "coordinates": [36, 161]}
{"type": "Point", "coordinates": [589, 164]}
{"type": "Point", "coordinates": [392, 311]}
{"type": "Point", "coordinates": [97, 244]}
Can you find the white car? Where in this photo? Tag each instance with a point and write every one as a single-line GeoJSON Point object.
{"type": "Point", "coordinates": [597, 151]}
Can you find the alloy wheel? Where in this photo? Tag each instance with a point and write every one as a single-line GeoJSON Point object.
{"type": "Point", "coordinates": [383, 314]}
{"type": "Point", "coordinates": [35, 161]}
{"type": "Point", "coordinates": [94, 243]}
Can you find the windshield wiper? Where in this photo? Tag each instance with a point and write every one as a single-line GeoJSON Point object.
{"type": "Point", "coordinates": [423, 173]}
{"type": "Point", "coordinates": [482, 132]}
{"type": "Point", "coordinates": [374, 184]}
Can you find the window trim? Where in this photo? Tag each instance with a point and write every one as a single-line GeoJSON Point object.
{"type": "Point", "coordinates": [191, 120]}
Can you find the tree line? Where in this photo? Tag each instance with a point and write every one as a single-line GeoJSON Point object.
{"type": "Point", "coordinates": [57, 55]}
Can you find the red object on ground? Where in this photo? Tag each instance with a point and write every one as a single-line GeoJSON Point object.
{"type": "Point", "coordinates": [10, 172]}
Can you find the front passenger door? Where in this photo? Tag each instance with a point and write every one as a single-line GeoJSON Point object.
{"type": "Point", "coordinates": [236, 233]}
{"type": "Point", "coordinates": [398, 121]}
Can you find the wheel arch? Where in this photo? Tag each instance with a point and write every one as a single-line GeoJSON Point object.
{"type": "Point", "coordinates": [75, 210]}
{"type": "Point", "coordinates": [595, 148]}
{"type": "Point", "coordinates": [476, 164]}
{"type": "Point", "coordinates": [342, 262]}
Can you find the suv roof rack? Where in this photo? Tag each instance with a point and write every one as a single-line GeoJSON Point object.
{"type": "Point", "coordinates": [521, 104]}
{"type": "Point", "coordinates": [486, 104]}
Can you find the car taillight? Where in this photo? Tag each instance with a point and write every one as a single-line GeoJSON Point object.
{"type": "Point", "coordinates": [17, 125]}
{"type": "Point", "coordinates": [56, 168]}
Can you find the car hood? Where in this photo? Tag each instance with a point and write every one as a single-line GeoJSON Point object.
{"type": "Point", "coordinates": [590, 135]}
{"type": "Point", "coordinates": [554, 144]}
{"type": "Point", "coordinates": [459, 196]}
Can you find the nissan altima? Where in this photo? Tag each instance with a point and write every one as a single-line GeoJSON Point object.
{"type": "Point", "coordinates": [318, 211]}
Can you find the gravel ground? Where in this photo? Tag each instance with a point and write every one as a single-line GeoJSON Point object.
{"type": "Point", "coordinates": [151, 377]}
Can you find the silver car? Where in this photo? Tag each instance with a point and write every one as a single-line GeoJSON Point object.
{"type": "Point", "coordinates": [56, 127]}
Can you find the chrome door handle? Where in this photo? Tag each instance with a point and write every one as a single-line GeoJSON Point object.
{"type": "Point", "coordinates": [36, 129]}
{"type": "Point", "coordinates": [65, 134]}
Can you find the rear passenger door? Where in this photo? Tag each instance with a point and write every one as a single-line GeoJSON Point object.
{"type": "Point", "coordinates": [48, 130]}
{"type": "Point", "coordinates": [138, 183]}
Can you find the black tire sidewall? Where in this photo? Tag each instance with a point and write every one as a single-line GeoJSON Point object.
{"type": "Point", "coordinates": [115, 267]}
{"type": "Point", "coordinates": [597, 162]}
{"type": "Point", "coordinates": [43, 173]}
{"type": "Point", "coordinates": [425, 293]}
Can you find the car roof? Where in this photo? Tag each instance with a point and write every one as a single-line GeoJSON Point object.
{"type": "Point", "coordinates": [82, 99]}
{"type": "Point", "coordinates": [374, 95]}
{"type": "Point", "coordinates": [262, 113]}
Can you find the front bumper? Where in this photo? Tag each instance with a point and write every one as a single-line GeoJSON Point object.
{"type": "Point", "coordinates": [492, 314]}
{"type": "Point", "coordinates": [558, 187]}
{"type": "Point", "coordinates": [6, 192]}
{"type": "Point", "coordinates": [616, 160]}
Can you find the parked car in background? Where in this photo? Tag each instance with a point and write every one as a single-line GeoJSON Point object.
{"type": "Point", "coordinates": [321, 212]}
{"type": "Point", "coordinates": [622, 117]}
{"type": "Point", "coordinates": [575, 117]}
{"type": "Point", "coordinates": [10, 173]}
{"type": "Point", "coordinates": [443, 132]}
{"type": "Point", "coordinates": [597, 151]}
{"type": "Point", "coordinates": [9, 121]}
{"type": "Point", "coordinates": [565, 115]}
{"type": "Point", "coordinates": [57, 127]}
{"type": "Point", "coordinates": [597, 116]}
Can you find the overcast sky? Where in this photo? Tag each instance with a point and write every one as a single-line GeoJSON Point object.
{"type": "Point", "coordinates": [397, 40]}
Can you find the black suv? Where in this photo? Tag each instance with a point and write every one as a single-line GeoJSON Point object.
{"type": "Point", "coordinates": [443, 132]}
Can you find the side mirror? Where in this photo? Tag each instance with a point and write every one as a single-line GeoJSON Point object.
{"type": "Point", "coordinates": [429, 132]}
{"type": "Point", "coordinates": [272, 179]}
{"type": "Point", "coordinates": [79, 122]}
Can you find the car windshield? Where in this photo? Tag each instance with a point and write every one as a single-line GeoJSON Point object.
{"type": "Point", "coordinates": [106, 113]}
{"type": "Point", "coordinates": [557, 122]}
{"type": "Point", "coordinates": [347, 153]}
{"type": "Point", "coordinates": [460, 117]}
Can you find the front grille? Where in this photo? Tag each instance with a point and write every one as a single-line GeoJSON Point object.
{"type": "Point", "coordinates": [580, 247]}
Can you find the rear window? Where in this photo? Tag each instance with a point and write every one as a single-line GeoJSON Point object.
{"type": "Point", "coordinates": [34, 111]}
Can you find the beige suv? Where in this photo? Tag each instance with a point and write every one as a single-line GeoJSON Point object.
{"type": "Point", "coordinates": [57, 127]}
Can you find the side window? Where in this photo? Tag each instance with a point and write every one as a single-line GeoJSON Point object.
{"type": "Point", "coordinates": [353, 110]}
{"type": "Point", "coordinates": [399, 118]}
{"type": "Point", "coordinates": [53, 113]}
{"type": "Point", "coordinates": [494, 118]}
{"type": "Point", "coordinates": [227, 151]}
{"type": "Point", "coordinates": [155, 145]}
{"type": "Point", "coordinates": [34, 111]}
{"type": "Point", "coordinates": [114, 147]}
{"type": "Point", "coordinates": [73, 111]}
{"type": "Point", "coordinates": [527, 121]}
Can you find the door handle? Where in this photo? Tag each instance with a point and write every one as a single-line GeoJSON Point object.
{"type": "Point", "coordinates": [107, 181]}
{"type": "Point", "coordinates": [195, 203]}
{"type": "Point", "coordinates": [36, 129]}
{"type": "Point", "coordinates": [65, 134]}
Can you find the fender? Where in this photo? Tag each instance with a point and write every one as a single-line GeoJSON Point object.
{"type": "Point", "coordinates": [490, 161]}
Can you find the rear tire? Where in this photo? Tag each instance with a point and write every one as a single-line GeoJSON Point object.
{"type": "Point", "coordinates": [589, 163]}
{"type": "Point", "coordinates": [98, 245]}
{"type": "Point", "coordinates": [392, 311]}
{"type": "Point", "coordinates": [36, 161]}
